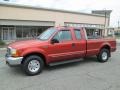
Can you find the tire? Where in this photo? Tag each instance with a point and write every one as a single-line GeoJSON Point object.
{"type": "Point", "coordinates": [103, 55]}
{"type": "Point", "coordinates": [33, 65]}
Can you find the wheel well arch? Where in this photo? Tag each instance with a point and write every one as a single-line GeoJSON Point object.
{"type": "Point", "coordinates": [106, 47]}
{"type": "Point", "coordinates": [34, 53]}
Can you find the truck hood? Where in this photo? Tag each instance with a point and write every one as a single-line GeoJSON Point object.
{"type": "Point", "coordinates": [26, 43]}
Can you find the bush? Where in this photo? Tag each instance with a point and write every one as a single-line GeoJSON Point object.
{"type": "Point", "coordinates": [2, 42]}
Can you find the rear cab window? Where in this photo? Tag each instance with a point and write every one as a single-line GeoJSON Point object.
{"type": "Point", "coordinates": [77, 34]}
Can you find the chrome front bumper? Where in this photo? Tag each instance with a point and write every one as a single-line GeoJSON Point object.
{"type": "Point", "coordinates": [13, 61]}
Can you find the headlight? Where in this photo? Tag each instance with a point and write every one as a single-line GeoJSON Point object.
{"type": "Point", "coordinates": [13, 52]}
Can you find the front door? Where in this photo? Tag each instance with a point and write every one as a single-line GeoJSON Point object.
{"type": "Point", "coordinates": [62, 50]}
{"type": "Point", "coordinates": [8, 33]}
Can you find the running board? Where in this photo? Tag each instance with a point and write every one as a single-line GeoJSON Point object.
{"type": "Point", "coordinates": [64, 62]}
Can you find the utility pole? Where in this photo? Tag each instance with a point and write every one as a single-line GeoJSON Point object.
{"type": "Point", "coordinates": [105, 12]}
{"type": "Point", "coordinates": [105, 18]}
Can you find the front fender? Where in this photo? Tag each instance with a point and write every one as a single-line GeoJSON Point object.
{"type": "Point", "coordinates": [33, 50]}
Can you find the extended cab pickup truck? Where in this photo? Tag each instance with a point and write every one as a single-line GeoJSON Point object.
{"type": "Point", "coordinates": [58, 45]}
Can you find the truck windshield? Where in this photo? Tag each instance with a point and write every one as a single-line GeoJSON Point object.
{"type": "Point", "coordinates": [46, 34]}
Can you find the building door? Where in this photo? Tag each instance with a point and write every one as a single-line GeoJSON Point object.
{"type": "Point", "coordinates": [8, 33]}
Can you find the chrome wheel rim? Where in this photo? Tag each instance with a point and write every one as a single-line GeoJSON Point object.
{"type": "Point", "coordinates": [104, 55]}
{"type": "Point", "coordinates": [34, 66]}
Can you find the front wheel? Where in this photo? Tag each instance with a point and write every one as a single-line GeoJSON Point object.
{"type": "Point", "coordinates": [103, 55]}
{"type": "Point", "coordinates": [33, 65]}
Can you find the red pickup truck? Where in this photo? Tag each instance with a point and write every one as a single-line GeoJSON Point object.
{"type": "Point", "coordinates": [58, 45]}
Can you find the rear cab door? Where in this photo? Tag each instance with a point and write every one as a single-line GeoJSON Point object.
{"type": "Point", "coordinates": [79, 42]}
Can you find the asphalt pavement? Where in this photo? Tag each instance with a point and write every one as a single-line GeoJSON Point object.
{"type": "Point", "coordinates": [84, 75]}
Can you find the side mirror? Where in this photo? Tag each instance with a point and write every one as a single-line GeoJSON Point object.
{"type": "Point", "coordinates": [54, 41]}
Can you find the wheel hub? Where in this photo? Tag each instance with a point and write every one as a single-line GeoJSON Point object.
{"type": "Point", "coordinates": [104, 55]}
{"type": "Point", "coordinates": [34, 66]}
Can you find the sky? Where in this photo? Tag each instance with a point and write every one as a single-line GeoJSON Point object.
{"type": "Point", "coordinates": [77, 5]}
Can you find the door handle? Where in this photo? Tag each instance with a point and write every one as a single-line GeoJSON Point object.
{"type": "Point", "coordinates": [73, 44]}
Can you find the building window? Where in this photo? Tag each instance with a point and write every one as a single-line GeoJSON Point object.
{"type": "Point", "coordinates": [26, 32]}
{"type": "Point", "coordinates": [19, 32]}
{"type": "Point", "coordinates": [29, 32]}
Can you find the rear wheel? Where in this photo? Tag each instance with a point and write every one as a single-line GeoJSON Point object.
{"type": "Point", "coordinates": [33, 65]}
{"type": "Point", "coordinates": [103, 55]}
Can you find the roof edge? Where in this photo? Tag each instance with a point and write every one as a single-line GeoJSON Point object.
{"type": "Point", "coordinates": [47, 9]}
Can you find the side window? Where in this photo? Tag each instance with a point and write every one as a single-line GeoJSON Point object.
{"type": "Point", "coordinates": [63, 35]}
{"type": "Point", "coordinates": [77, 34]}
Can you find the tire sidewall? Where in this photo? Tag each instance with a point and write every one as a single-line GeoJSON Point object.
{"type": "Point", "coordinates": [26, 62]}
{"type": "Point", "coordinates": [100, 58]}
